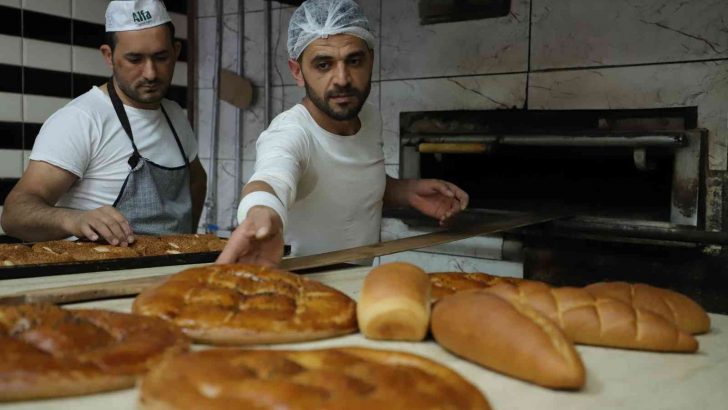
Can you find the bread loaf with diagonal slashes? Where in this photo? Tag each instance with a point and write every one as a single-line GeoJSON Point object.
{"type": "Point", "coordinates": [599, 321]}
{"type": "Point", "coordinates": [677, 308]}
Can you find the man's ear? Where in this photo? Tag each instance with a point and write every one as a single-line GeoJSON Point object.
{"type": "Point", "coordinates": [177, 49]}
{"type": "Point", "coordinates": [296, 71]}
{"type": "Point", "coordinates": [108, 55]}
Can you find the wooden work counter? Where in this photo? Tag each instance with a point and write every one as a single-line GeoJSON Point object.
{"type": "Point", "coordinates": [616, 379]}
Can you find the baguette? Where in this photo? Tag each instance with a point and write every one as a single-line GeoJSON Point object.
{"type": "Point", "coordinates": [599, 321]}
{"type": "Point", "coordinates": [673, 306]}
{"type": "Point", "coordinates": [508, 337]}
{"type": "Point", "coordinates": [395, 303]}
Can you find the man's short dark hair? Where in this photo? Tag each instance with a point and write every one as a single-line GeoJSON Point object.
{"type": "Point", "coordinates": [110, 36]}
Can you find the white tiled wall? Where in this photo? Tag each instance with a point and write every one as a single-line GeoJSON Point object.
{"type": "Point", "coordinates": [566, 54]}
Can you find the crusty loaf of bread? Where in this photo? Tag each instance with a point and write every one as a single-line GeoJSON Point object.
{"type": "Point", "coordinates": [509, 337]}
{"type": "Point", "coordinates": [599, 321]}
{"type": "Point", "coordinates": [342, 378]}
{"type": "Point", "coordinates": [677, 308]}
{"type": "Point", "coordinates": [395, 303]}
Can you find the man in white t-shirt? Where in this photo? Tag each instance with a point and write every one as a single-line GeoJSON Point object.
{"type": "Point", "coordinates": [119, 159]}
{"type": "Point", "coordinates": [319, 173]}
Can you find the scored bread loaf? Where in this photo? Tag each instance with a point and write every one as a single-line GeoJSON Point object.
{"type": "Point", "coordinates": [677, 308]}
{"type": "Point", "coordinates": [395, 303]}
{"type": "Point", "coordinates": [599, 321]}
{"type": "Point", "coordinates": [508, 337]}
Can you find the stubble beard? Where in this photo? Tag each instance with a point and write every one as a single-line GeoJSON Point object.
{"type": "Point", "coordinates": [345, 114]}
{"type": "Point", "coordinates": [133, 93]}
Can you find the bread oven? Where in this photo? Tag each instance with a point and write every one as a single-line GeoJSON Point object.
{"type": "Point", "coordinates": [635, 181]}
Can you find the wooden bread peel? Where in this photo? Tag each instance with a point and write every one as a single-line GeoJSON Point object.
{"type": "Point", "coordinates": [129, 287]}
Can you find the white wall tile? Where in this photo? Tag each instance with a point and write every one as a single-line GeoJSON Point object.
{"type": "Point", "coordinates": [11, 163]}
{"type": "Point", "coordinates": [204, 123]}
{"type": "Point", "coordinates": [207, 48]}
{"type": "Point", "coordinates": [54, 7]}
{"type": "Point", "coordinates": [207, 8]}
{"type": "Point", "coordinates": [38, 108]}
{"type": "Point", "coordinates": [11, 3]}
{"type": "Point", "coordinates": [228, 194]}
{"type": "Point", "coordinates": [11, 107]}
{"type": "Point", "coordinates": [583, 33]}
{"type": "Point", "coordinates": [92, 11]}
{"type": "Point", "coordinates": [10, 50]}
{"type": "Point", "coordinates": [89, 61]}
{"type": "Point", "coordinates": [46, 55]}
{"type": "Point", "coordinates": [26, 158]}
{"type": "Point", "coordinates": [180, 74]}
{"type": "Point", "coordinates": [180, 25]}
{"type": "Point", "coordinates": [259, 5]}
{"type": "Point", "coordinates": [704, 85]}
{"type": "Point", "coordinates": [410, 50]}
{"type": "Point", "coordinates": [248, 170]}
{"type": "Point", "coordinates": [203, 120]}
{"type": "Point", "coordinates": [431, 262]}
{"type": "Point", "coordinates": [454, 93]}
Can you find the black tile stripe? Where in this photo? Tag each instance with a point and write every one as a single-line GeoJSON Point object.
{"type": "Point", "coordinates": [183, 50]}
{"type": "Point", "coordinates": [11, 135]}
{"type": "Point", "coordinates": [46, 27]}
{"type": "Point", "coordinates": [84, 82]}
{"type": "Point", "coordinates": [47, 82]}
{"type": "Point", "coordinates": [88, 34]}
{"type": "Point", "coordinates": [30, 131]}
{"type": "Point", "coordinates": [6, 184]}
{"type": "Point", "coordinates": [92, 35]}
{"type": "Point", "coordinates": [9, 21]}
{"type": "Point", "coordinates": [178, 94]}
{"type": "Point", "coordinates": [177, 6]}
{"type": "Point", "coordinates": [11, 78]}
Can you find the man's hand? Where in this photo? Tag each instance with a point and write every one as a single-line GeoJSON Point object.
{"type": "Point", "coordinates": [258, 240]}
{"type": "Point", "coordinates": [433, 197]}
{"type": "Point", "coordinates": [105, 222]}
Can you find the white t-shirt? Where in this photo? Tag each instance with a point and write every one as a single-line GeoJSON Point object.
{"type": "Point", "coordinates": [332, 185]}
{"type": "Point", "coordinates": [86, 138]}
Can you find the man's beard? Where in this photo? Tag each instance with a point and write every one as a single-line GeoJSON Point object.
{"type": "Point", "coordinates": [345, 114]}
{"type": "Point", "coordinates": [135, 95]}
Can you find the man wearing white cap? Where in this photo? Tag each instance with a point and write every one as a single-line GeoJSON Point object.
{"type": "Point", "coordinates": [119, 159]}
{"type": "Point", "coordinates": [319, 173]}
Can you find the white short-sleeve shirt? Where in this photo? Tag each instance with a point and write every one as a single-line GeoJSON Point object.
{"type": "Point", "coordinates": [86, 138]}
{"type": "Point", "coordinates": [332, 185]}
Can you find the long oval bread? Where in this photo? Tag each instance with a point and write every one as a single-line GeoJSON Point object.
{"type": "Point", "coordinates": [507, 337]}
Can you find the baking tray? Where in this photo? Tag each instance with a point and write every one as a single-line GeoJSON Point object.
{"type": "Point", "coordinates": [66, 268]}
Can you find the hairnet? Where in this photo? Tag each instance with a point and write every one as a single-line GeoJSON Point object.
{"type": "Point", "coordinates": [322, 18]}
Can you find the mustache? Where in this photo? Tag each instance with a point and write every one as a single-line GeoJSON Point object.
{"type": "Point", "coordinates": [343, 92]}
{"type": "Point", "coordinates": [145, 83]}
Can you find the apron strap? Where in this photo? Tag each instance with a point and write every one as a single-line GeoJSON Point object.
{"type": "Point", "coordinates": [121, 114]}
{"type": "Point", "coordinates": [124, 119]}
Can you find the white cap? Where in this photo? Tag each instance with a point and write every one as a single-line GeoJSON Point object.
{"type": "Point", "coordinates": [128, 15]}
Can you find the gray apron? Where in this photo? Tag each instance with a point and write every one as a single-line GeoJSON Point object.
{"type": "Point", "coordinates": [156, 200]}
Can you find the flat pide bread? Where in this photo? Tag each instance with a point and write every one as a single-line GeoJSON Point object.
{"type": "Point", "coordinates": [447, 283]}
{"type": "Point", "coordinates": [244, 304]}
{"type": "Point", "coordinates": [344, 378]}
{"type": "Point", "coordinates": [46, 351]}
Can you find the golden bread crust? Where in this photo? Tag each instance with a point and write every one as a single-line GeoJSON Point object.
{"type": "Point", "coordinates": [344, 378]}
{"type": "Point", "coordinates": [243, 304]}
{"type": "Point", "coordinates": [46, 351]}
